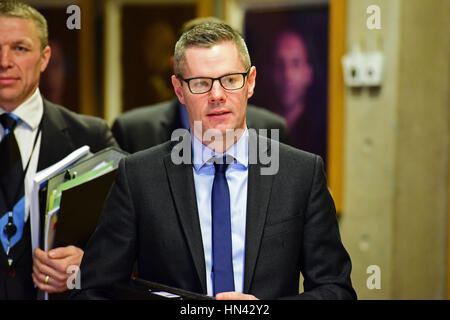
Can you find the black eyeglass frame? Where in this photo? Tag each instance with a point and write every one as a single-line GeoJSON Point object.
{"type": "Point", "coordinates": [244, 74]}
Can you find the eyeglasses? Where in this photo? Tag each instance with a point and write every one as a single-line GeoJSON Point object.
{"type": "Point", "coordinates": [232, 81]}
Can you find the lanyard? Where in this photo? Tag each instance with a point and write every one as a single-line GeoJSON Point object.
{"type": "Point", "coordinates": [11, 206]}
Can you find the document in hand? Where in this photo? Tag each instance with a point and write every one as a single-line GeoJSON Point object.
{"type": "Point", "coordinates": [75, 199]}
{"type": "Point", "coordinates": [40, 181]}
{"type": "Point", "coordinates": [141, 289]}
{"type": "Point", "coordinates": [84, 193]}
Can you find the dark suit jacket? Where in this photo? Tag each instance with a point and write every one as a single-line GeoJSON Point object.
{"type": "Point", "coordinates": [149, 126]}
{"type": "Point", "coordinates": [151, 215]}
{"type": "Point", "coordinates": [62, 132]}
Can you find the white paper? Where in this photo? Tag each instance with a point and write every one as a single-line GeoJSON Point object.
{"type": "Point", "coordinates": [40, 178]}
{"type": "Point", "coordinates": [49, 232]}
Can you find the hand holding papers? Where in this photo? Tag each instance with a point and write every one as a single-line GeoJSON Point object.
{"type": "Point", "coordinates": [40, 180]}
{"type": "Point", "coordinates": [75, 197]}
{"type": "Point", "coordinates": [82, 166]}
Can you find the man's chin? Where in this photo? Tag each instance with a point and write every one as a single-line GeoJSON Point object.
{"type": "Point", "coordinates": [215, 129]}
{"type": "Point", "coordinates": [215, 132]}
{"type": "Point", "coordinates": [7, 103]}
{"type": "Point", "coordinates": [225, 130]}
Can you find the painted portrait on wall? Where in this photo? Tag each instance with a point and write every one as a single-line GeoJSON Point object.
{"type": "Point", "coordinates": [289, 47]}
{"type": "Point", "coordinates": [148, 40]}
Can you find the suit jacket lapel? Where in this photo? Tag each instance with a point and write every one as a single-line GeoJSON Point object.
{"type": "Point", "coordinates": [181, 181]}
{"type": "Point", "coordinates": [258, 195]}
{"type": "Point", "coordinates": [55, 144]}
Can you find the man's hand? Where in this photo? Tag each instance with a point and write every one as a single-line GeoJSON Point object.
{"type": "Point", "coordinates": [50, 268]}
{"type": "Point", "coordinates": [235, 296]}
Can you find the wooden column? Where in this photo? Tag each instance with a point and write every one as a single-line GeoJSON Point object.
{"type": "Point", "coordinates": [335, 138]}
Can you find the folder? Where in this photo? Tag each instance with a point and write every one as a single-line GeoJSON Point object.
{"type": "Point", "coordinates": [141, 289]}
{"type": "Point", "coordinates": [73, 228]}
{"type": "Point", "coordinates": [75, 199]}
{"type": "Point", "coordinates": [39, 189]}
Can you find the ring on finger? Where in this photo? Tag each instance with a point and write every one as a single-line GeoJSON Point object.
{"type": "Point", "coordinates": [46, 279]}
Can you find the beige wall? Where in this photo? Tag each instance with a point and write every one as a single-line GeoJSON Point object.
{"type": "Point", "coordinates": [396, 152]}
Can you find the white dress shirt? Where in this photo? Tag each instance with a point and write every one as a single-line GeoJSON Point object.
{"type": "Point", "coordinates": [30, 113]}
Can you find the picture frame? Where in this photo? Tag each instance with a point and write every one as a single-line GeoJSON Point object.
{"type": "Point", "coordinates": [235, 13]}
{"type": "Point", "coordinates": [117, 77]}
{"type": "Point", "coordinates": [60, 82]}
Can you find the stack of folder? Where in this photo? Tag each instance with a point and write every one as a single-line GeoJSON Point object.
{"type": "Point", "coordinates": [74, 190]}
{"type": "Point", "coordinates": [75, 199]}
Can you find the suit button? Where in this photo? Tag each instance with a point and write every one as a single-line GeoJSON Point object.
{"type": "Point", "coordinates": [12, 273]}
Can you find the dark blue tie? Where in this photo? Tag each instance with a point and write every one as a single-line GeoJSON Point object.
{"type": "Point", "coordinates": [223, 279]}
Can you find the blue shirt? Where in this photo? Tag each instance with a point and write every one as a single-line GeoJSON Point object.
{"type": "Point", "coordinates": [237, 178]}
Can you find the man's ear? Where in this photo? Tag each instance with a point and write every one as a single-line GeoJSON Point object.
{"type": "Point", "coordinates": [45, 58]}
{"type": "Point", "coordinates": [176, 83]}
{"type": "Point", "coordinates": [251, 81]}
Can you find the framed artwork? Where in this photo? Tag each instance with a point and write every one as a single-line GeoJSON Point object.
{"type": "Point", "coordinates": [138, 40]}
{"type": "Point", "coordinates": [60, 82]}
{"type": "Point", "coordinates": [321, 24]}
{"type": "Point", "coordinates": [149, 34]}
{"type": "Point", "coordinates": [289, 47]}
{"type": "Point", "coordinates": [71, 78]}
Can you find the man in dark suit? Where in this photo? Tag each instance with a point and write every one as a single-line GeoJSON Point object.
{"type": "Point", "coordinates": [34, 134]}
{"type": "Point", "coordinates": [149, 126]}
{"type": "Point", "coordinates": [226, 230]}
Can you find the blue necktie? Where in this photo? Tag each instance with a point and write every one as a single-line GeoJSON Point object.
{"type": "Point", "coordinates": [12, 200]}
{"type": "Point", "coordinates": [223, 279]}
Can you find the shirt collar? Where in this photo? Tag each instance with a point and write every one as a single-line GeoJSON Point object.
{"type": "Point", "coordinates": [30, 112]}
{"type": "Point", "coordinates": [201, 153]}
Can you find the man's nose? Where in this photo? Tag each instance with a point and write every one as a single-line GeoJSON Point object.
{"type": "Point", "coordinates": [5, 59]}
{"type": "Point", "coordinates": [217, 93]}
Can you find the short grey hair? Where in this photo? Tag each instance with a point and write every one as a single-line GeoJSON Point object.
{"type": "Point", "coordinates": [206, 35]}
{"type": "Point", "coordinates": [17, 9]}
{"type": "Point", "coordinates": [190, 24]}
